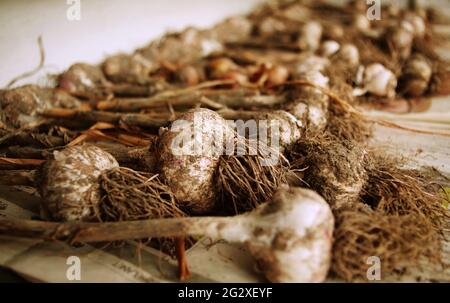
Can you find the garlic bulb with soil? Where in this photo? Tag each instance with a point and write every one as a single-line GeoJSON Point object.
{"type": "Point", "coordinates": [281, 126]}
{"type": "Point", "coordinates": [133, 68]}
{"type": "Point", "coordinates": [189, 156]}
{"type": "Point", "coordinates": [69, 185]}
{"type": "Point", "coordinates": [20, 107]}
{"type": "Point", "coordinates": [310, 104]}
{"type": "Point", "coordinates": [335, 169]}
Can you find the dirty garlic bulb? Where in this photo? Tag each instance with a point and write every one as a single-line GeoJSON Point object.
{"type": "Point", "coordinates": [416, 76]}
{"type": "Point", "coordinates": [333, 31]}
{"type": "Point", "coordinates": [377, 80]}
{"type": "Point", "coordinates": [133, 68]}
{"type": "Point", "coordinates": [20, 107]}
{"type": "Point", "coordinates": [289, 128]}
{"type": "Point", "coordinates": [85, 81]}
{"type": "Point", "coordinates": [335, 169]}
{"type": "Point", "coordinates": [309, 104]}
{"type": "Point", "coordinates": [310, 36]}
{"type": "Point", "coordinates": [189, 155]}
{"type": "Point", "coordinates": [69, 185]}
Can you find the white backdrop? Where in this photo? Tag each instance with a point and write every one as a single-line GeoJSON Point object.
{"type": "Point", "coordinates": [106, 27]}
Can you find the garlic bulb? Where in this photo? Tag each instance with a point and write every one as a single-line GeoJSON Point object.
{"type": "Point", "coordinates": [329, 48]}
{"type": "Point", "coordinates": [310, 36]}
{"type": "Point", "coordinates": [308, 62]}
{"type": "Point", "coordinates": [291, 240]}
{"type": "Point", "coordinates": [270, 26]}
{"type": "Point", "coordinates": [189, 154]}
{"type": "Point", "coordinates": [335, 169]}
{"type": "Point", "coordinates": [288, 132]}
{"type": "Point", "coordinates": [416, 76]}
{"type": "Point", "coordinates": [129, 68]}
{"type": "Point", "coordinates": [418, 24]}
{"type": "Point", "coordinates": [361, 23]}
{"type": "Point", "coordinates": [309, 104]}
{"type": "Point", "coordinates": [69, 185]}
{"type": "Point", "coordinates": [349, 54]}
{"type": "Point", "coordinates": [400, 38]}
{"type": "Point", "coordinates": [84, 80]}
{"type": "Point", "coordinates": [232, 29]}
{"type": "Point", "coordinates": [20, 107]}
{"type": "Point", "coordinates": [379, 81]}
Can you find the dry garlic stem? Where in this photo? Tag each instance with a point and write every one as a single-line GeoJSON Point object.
{"type": "Point", "coordinates": [69, 184]}
{"type": "Point", "coordinates": [416, 76]}
{"type": "Point", "coordinates": [189, 158]}
{"type": "Point", "coordinates": [310, 36]}
{"type": "Point", "coordinates": [377, 80]}
{"type": "Point", "coordinates": [20, 107]}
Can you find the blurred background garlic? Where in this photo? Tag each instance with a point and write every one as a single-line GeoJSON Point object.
{"type": "Point", "coordinates": [416, 76]}
{"type": "Point", "coordinates": [377, 80]}
{"type": "Point", "coordinates": [349, 54]}
{"type": "Point", "coordinates": [329, 48]}
{"type": "Point", "coordinates": [310, 35]}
